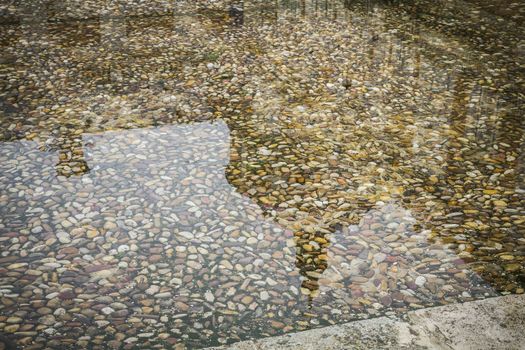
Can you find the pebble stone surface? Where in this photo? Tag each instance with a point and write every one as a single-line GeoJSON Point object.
{"type": "Point", "coordinates": [195, 173]}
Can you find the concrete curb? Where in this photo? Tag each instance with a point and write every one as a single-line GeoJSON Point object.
{"type": "Point", "coordinates": [496, 323]}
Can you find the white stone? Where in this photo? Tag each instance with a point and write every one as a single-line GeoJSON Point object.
{"type": "Point", "coordinates": [123, 248]}
{"type": "Point", "coordinates": [186, 234]}
{"type": "Point", "coordinates": [63, 237]}
{"type": "Point", "coordinates": [107, 310]}
{"type": "Point", "coordinates": [209, 296]}
{"type": "Point", "coordinates": [265, 295]}
{"type": "Point", "coordinates": [420, 281]}
{"type": "Point", "coordinates": [252, 241]}
{"type": "Point", "coordinates": [152, 289]}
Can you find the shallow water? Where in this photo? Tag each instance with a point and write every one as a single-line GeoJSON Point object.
{"type": "Point", "coordinates": [196, 174]}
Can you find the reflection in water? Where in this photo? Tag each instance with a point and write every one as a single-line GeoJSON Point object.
{"type": "Point", "coordinates": [311, 260]}
{"type": "Point", "coordinates": [71, 157]}
{"type": "Point", "coordinates": [156, 218]}
{"type": "Point", "coordinates": [246, 168]}
{"type": "Point", "coordinates": [237, 12]}
{"type": "Point", "coordinates": [387, 250]}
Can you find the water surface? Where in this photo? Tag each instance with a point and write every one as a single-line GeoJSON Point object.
{"type": "Point", "coordinates": [197, 174]}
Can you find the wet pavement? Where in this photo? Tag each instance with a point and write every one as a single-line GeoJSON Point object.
{"type": "Point", "coordinates": [194, 174]}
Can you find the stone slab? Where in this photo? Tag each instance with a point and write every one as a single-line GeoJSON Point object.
{"type": "Point", "coordinates": [495, 323]}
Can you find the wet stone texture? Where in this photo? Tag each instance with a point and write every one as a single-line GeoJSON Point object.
{"type": "Point", "coordinates": [188, 174]}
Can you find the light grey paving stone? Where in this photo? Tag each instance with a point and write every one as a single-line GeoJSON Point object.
{"type": "Point", "coordinates": [496, 323]}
